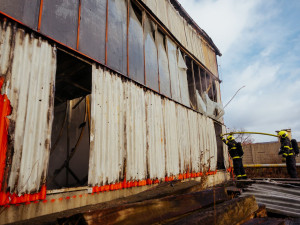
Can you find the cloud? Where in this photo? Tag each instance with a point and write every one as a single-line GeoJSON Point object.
{"type": "Point", "coordinates": [260, 43]}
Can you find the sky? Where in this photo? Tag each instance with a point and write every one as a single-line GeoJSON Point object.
{"type": "Point", "coordinates": [260, 45]}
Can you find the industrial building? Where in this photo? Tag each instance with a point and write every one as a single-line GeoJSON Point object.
{"type": "Point", "coordinates": [102, 99]}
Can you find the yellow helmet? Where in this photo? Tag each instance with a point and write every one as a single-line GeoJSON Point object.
{"type": "Point", "coordinates": [230, 138]}
{"type": "Point", "coordinates": [282, 134]}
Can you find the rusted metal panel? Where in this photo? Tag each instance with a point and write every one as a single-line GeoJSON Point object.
{"type": "Point", "coordinates": [6, 39]}
{"type": "Point", "coordinates": [183, 135]}
{"type": "Point", "coordinates": [92, 29]}
{"type": "Point", "coordinates": [135, 133]}
{"type": "Point", "coordinates": [29, 85]}
{"type": "Point", "coordinates": [155, 136]}
{"type": "Point", "coordinates": [146, 136]}
{"type": "Point", "coordinates": [26, 11]}
{"type": "Point", "coordinates": [60, 20]}
{"type": "Point", "coordinates": [171, 140]}
{"type": "Point", "coordinates": [107, 145]}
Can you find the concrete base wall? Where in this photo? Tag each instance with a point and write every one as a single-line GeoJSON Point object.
{"type": "Point", "coordinates": [69, 200]}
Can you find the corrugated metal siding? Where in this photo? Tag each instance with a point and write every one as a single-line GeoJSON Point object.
{"type": "Point", "coordinates": [5, 47]}
{"type": "Point", "coordinates": [30, 76]}
{"type": "Point", "coordinates": [135, 132]}
{"type": "Point", "coordinates": [107, 123]}
{"type": "Point", "coordinates": [154, 136]}
{"type": "Point", "coordinates": [278, 198]}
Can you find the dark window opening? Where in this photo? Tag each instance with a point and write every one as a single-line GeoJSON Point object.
{"type": "Point", "coordinates": [69, 154]}
{"type": "Point", "coordinates": [191, 82]}
{"type": "Point", "coordinates": [203, 80]}
{"type": "Point", "coordinates": [220, 153]}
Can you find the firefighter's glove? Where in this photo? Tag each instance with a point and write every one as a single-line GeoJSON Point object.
{"type": "Point", "coordinates": [280, 152]}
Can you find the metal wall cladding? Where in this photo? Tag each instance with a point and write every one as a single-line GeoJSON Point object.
{"type": "Point", "coordinates": [29, 68]}
{"type": "Point", "coordinates": [190, 39]}
{"type": "Point", "coordinates": [278, 196]}
{"type": "Point", "coordinates": [138, 134]}
{"type": "Point", "coordinates": [26, 11]}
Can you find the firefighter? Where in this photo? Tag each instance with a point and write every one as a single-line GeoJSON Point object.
{"type": "Point", "coordinates": [288, 153]}
{"type": "Point", "coordinates": [236, 152]}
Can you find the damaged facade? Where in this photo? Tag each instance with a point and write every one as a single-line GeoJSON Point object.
{"type": "Point", "coordinates": [104, 95]}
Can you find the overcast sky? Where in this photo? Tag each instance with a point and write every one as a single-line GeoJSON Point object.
{"type": "Point", "coordinates": [260, 45]}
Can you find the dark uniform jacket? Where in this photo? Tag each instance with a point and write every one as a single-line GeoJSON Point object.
{"type": "Point", "coordinates": [286, 147]}
{"type": "Point", "coordinates": [235, 148]}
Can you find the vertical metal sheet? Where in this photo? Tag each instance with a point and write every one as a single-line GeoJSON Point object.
{"type": "Point", "coordinates": [176, 25]}
{"type": "Point", "coordinates": [155, 136]}
{"type": "Point", "coordinates": [173, 67]}
{"type": "Point", "coordinates": [164, 74]}
{"type": "Point", "coordinates": [136, 44]}
{"type": "Point", "coordinates": [195, 141]}
{"type": "Point", "coordinates": [151, 64]}
{"type": "Point", "coordinates": [183, 82]}
{"type": "Point", "coordinates": [183, 135]}
{"type": "Point", "coordinates": [152, 4]}
{"type": "Point", "coordinates": [107, 128]}
{"type": "Point", "coordinates": [162, 13]}
{"type": "Point", "coordinates": [26, 11]}
{"type": "Point", "coordinates": [92, 29]}
{"type": "Point", "coordinates": [6, 39]}
{"type": "Point", "coordinates": [30, 88]}
{"type": "Point", "coordinates": [60, 20]}
{"type": "Point", "coordinates": [117, 35]}
{"type": "Point", "coordinates": [135, 132]}
{"type": "Point", "coordinates": [171, 140]}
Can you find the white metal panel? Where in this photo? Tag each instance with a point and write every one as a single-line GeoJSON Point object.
{"type": "Point", "coordinates": [171, 140]}
{"type": "Point", "coordinates": [5, 46]}
{"type": "Point", "coordinates": [30, 88]}
{"type": "Point", "coordinates": [162, 13]}
{"type": "Point", "coordinates": [152, 4]}
{"type": "Point", "coordinates": [135, 132]}
{"type": "Point", "coordinates": [183, 135]}
{"type": "Point", "coordinates": [176, 24]}
{"type": "Point", "coordinates": [155, 136]}
{"type": "Point", "coordinates": [174, 70]}
{"type": "Point", "coordinates": [107, 128]}
{"type": "Point", "coordinates": [194, 140]}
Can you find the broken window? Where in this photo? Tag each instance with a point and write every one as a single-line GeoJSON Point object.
{"type": "Point", "coordinates": [136, 44]}
{"type": "Point", "coordinates": [69, 154]}
{"type": "Point", "coordinates": [191, 82]}
{"type": "Point", "coordinates": [117, 35]}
